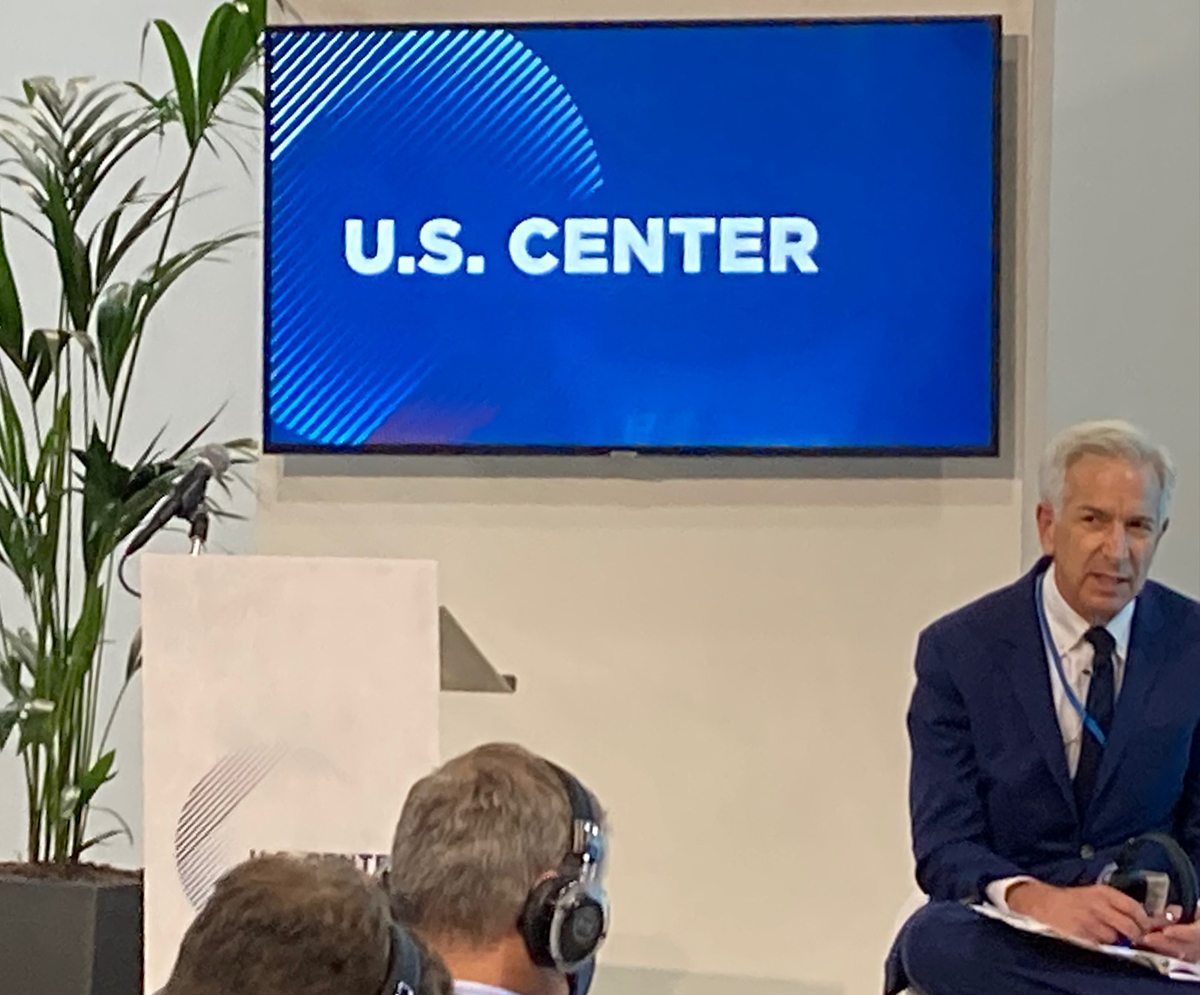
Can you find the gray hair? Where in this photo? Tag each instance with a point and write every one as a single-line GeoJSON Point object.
{"type": "Point", "coordinates": [473, 839]}
{"type": "Point", "coordinates": [1117, 439]}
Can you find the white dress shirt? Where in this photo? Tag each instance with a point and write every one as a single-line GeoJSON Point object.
{"type": "Point", "coordinates": [1067, 630]}
{"type": "Point", "coordinates": [475, 988]}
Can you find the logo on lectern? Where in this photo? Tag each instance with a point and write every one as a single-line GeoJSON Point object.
{"type": "Point", "coordinates": [200, 855]}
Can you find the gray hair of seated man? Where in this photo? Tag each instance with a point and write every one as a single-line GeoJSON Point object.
{"type": "Point", "coordinates": [1115, 439]}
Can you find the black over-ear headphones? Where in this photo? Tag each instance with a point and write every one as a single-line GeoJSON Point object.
{"type": "Point", "coordinates": [1152, 853]}
{"type": "Point", "coordinates": [565, 918]}
{"type": "Point", "coordinates": [404, 964]}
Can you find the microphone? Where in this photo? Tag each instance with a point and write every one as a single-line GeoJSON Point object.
{"type": "Point", "coordinates": [186, 498]}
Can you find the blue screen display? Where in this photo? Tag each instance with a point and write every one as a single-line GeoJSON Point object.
{"type": "Point", "coordinates": [697, 237]}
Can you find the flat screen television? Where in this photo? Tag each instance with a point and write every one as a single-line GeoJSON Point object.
{"type": "Point", "coordinates": [687, 237]}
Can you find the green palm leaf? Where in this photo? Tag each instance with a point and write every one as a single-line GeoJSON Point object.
{"type": "Point", "coordinates": [67, 502]}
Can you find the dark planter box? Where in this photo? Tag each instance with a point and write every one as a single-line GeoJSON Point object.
{"type": "Point", "coordinates": [69, 937]}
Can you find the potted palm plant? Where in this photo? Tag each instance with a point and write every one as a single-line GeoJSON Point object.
{"type": "Point", "coordinates": [70, 494]}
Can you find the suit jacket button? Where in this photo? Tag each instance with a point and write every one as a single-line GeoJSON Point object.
{"type": "Point", "coordinates": [1087, 852]}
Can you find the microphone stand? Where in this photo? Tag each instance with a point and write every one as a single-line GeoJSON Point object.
{"type": "Point", "coordinates": [198, 533]}
{"type": "Point", "coordinates": [192, 510]}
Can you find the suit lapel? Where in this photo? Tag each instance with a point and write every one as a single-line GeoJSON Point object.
{"type": "Point", "coordinates": [1147, 656]}
{"type": "Point", "coordinates": [1030, 674]}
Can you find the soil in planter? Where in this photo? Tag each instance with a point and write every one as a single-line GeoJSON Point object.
{"type": "Point", "coordinates": [99, 874]}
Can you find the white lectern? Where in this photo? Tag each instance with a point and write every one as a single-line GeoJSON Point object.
{"type": "Point", "coordinates": [289, 704]}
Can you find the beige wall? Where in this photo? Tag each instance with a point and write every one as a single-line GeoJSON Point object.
{"type": "Point", "coordinates": [722, 650]}
{"type": "Point", "coordinates": [726, 663]}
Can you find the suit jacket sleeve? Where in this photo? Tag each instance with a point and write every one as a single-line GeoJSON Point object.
{"type": "Point", "coordinates": [949, 823]}
{"type": "Point", "coordinates": [1187, 824]}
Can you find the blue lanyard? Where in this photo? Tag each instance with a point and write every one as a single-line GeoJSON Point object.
{"type": "Point", "coordinates": [1089, 723]}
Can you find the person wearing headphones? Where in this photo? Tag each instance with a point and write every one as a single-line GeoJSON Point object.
{"type": "Point", "coordinates": [497, 864]}
{"type": "Point", "coordinates": [280, 925]}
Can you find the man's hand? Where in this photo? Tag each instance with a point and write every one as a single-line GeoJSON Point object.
{"type": "Point", "coordinates": [1097, 913]}
{"type": "Point", "coordinates": [1173, 940]}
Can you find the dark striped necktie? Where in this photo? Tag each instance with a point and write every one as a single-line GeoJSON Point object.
{"type": "Point", "coordinates": [1101, 701]}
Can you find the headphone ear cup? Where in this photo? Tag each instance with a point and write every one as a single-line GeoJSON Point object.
{"type": "Point", "coordinates": [1184, 886]}
{"type": "Point", "coordinates": [582, 928]}
{"type": "Point", "coordinates": [404, 969]}
{"type": "Point", "coordinates": [537, 919]}
{"type": "Point", "coordinates": [1185, 889]}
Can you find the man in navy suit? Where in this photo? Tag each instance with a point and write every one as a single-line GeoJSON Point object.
{"type": "Point", "coordinates": [1052, 721]}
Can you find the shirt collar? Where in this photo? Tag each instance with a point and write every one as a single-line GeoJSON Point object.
{"type": "Point", "coordinates": [475, 988]}
{"type": "Point", "coordinates": [1067, 626]}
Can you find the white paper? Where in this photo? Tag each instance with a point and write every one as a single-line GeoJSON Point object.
{"type": "Point", "coordinates": [1178, 970]}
